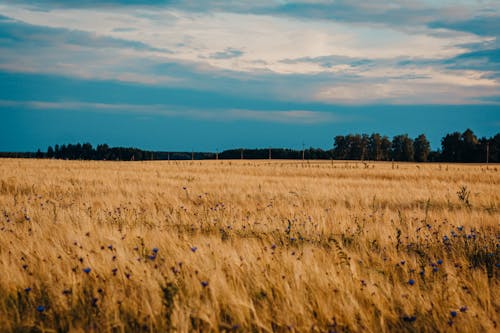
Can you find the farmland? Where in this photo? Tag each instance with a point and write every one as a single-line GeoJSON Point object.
{"type": "Point", "coordinates": [286, 246]}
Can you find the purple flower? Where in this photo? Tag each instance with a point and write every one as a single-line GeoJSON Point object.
{"type": "Point", "coordinates": [273, 246]}
{"type": "Point", "coordinates": [193, 249]}
{"type": "Point", "coordinates": [27, 289]}
{"type": "Point", "coordinates": [402, 262]}
{"type": "Point", "coordinates": [460, 228]}
{"type": "Point", "coordinates": [463, 309]}
{"type": "Point", "coordinates": [204, 284]}
{"type": "Point", "coordinates": [435, 269]}
{"type": "Point", "coordinates": [152, 257]}
{"type": "Point", "coordinates": [110, 247]}
{"type": "Point", "coordinates": [409, 319]}
{"type": "Point", "coordinates": [155, 250]}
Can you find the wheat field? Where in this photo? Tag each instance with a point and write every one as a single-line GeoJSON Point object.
{"type": "Point", "coordinates": [248, 246]}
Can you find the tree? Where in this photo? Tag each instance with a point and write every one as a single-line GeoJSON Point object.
{"type": "Point", "coordinates": [402, 148]}
{"type": "Point", "coordinates": [469, 146]}
{"type": "Point", "coordinates": [102, 152]}
{"type": "Point", "coordinates": [451, 147]}
{"type": "Point", "coordinates": [87, 151]}
{"type": "Point", "coordinates": [57, 151]}
{"type": "Point", "coordinates": [50, 152]}
{"type": "Point", "coordinates": [422, 148]}
{"type": "Point", "coordinates": [355, 147]}
{"type": "Point", "coordinates": [364, 144]}
{"type": "Point", "coordinates": [385, 147]}
{"type": "Point", "coordinates": [340, 147]}
{"type": "Point", "coordinates": [375, 147]}
{"type": "Point", "coordinates": [489, 149]}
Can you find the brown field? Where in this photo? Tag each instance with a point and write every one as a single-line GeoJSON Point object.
{"type": "Point", "coordinates": [282, 246]}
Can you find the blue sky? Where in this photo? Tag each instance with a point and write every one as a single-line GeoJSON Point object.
{"type": "Point", "coordinates": [213, 74]}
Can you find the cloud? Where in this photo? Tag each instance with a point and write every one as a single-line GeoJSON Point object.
{"type": "Point", "coordinates": [13, 31]}
{"type": "Point", "coordinates": [303, 117]}
{"type": "Point", "coordinates": [485, 25]}
{"type": "Point", "coordinates": [309, 51]}
{"type": "Point", "coordinates": [228, 53]}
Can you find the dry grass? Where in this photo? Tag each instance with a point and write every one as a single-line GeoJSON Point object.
{"type": "Point", "coordinates": [248, 246]}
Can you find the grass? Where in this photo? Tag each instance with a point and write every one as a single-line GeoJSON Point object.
{"type": "Point", "coordinates": [266, 246]}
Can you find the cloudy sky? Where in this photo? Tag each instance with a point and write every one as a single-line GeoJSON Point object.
{"type": "Point", "coordinates": [213, 74]}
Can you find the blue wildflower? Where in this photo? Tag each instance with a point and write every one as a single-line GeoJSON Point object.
{"type": "Point", "coordinates": [87, 270]}
{"type": "Point", "coordinates": [460, 228]}
{"type": "Point", "coordinates": [440, 262]}
{"type": "Point", "coordinates": [27, 289]}
{"type": "Point", "coordinates": [204, 284]}
{"type": "Point", "coordinates": [453, 313]}
{"type": "Point", "coordinates": [193, 248]}
{"type": "Point", "coordinates": [463, 309]}
{"type": "Point", "coordinates": [155, 250]}
{"type": "Point", "coordinates": [411, 282]}
{"type": "Point", "coordinates": [409, 319]}
{"type": "Point", "coordinates": [40, 308]}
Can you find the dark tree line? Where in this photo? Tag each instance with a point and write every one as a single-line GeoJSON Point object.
{"type": "Point", "coordinates": [455, 147]}
{"type": "Point", "coordinates": [101, 152]}
{"type": "Point", "coordinates": [466, 147]}
{"type": "Point", "coordinates": [376, 147]}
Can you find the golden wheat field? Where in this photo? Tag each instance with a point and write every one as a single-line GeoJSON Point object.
{"type": "Point", "coordinates": [248, 246]}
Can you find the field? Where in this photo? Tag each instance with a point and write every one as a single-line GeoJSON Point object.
{"type": "Point", "coordinates": [285, 246]}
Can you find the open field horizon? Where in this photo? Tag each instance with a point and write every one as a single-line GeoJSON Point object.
{"type": "Point", "coordinates": [249, 245]}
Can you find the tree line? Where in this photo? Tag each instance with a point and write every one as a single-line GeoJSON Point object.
{"type": "Point", "coordinates": [455, 147]}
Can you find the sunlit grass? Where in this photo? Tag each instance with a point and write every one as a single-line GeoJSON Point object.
{"type": "Point", "coordinates": [248, 245]}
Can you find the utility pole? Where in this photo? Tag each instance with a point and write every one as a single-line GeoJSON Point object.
{"type": "Point", "coordinates": [241, 153]}
{"type": "Point", "coordinates": [168, 156]}
{"type": "Point", "coordinates": [192, 155]}
{"type": "Point", "coordinates": [217, 154]}
{"type": "Point", "coordinates": [303, 151]}
{"type": "Point", "coordinates": [270, 157]}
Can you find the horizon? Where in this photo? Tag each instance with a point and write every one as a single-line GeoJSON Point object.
{"type": "Point", "coordinates": [178, 76]}
{"type": "Point", "coordinates": [303, 147]}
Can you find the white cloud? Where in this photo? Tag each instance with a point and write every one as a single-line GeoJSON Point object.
{"type": "Point", "coordinates": [264, 42]}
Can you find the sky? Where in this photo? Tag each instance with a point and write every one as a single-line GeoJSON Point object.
{"type": "Point", "coordinates": [212, 75]}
